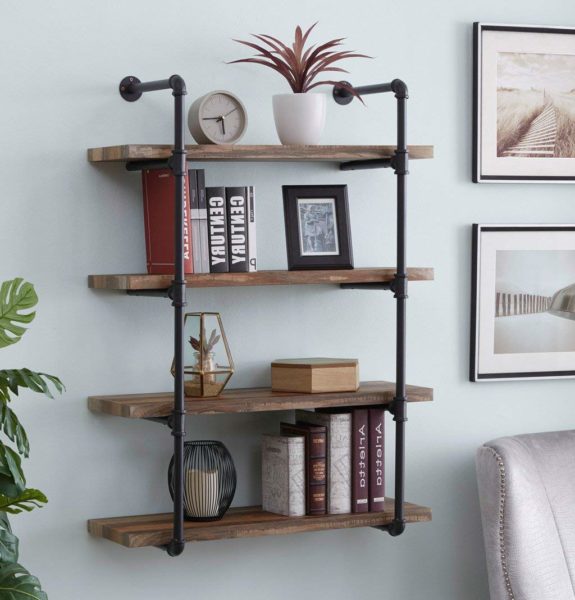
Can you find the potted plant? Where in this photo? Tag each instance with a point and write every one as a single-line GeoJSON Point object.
{"type": "Point", "coordinates": [17, 297]}
{"type": "Point", "coordinates": [300, 116]}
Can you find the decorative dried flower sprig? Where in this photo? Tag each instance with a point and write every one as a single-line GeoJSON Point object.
{"type": "Point", "coordinates": [299, 65]}
{"type": "Point", "coordinates": [208, 344]}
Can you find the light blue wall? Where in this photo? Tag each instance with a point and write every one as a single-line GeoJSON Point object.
{"type": "Point", "coordinates": [62, 218]}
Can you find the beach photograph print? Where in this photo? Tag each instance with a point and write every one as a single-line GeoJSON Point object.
{"type": "Point", "coordinates": [535, 105]}
{"type": "Point", "coordinates": [534, 301]}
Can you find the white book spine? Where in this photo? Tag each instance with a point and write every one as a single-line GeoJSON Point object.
{"type": "Point", "coordinates": [283, 475]}
{"type": "Point", "coordinates": [338, 457]}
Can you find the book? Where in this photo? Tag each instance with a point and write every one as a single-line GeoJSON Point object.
{"type": "Point", "coordinates": [283, 475]}
{"type": "Point", "coordinates": [195, 221]}
{"type": "Point", "coordinates": [315, 464]}
{"type": "Point", "coordinates": [159, 186]}
{"type": "Point", "coordinates": [203, 217]}
{"type": "Point", "coordinates": [252, 240]}
{"type": "Point", "coordinates": [217, 229]}
{"type": "Point", "coordinates": [237, 209]}
{"type": "Point", "coordinates": [338, 432]}
{"type": "Point", "coordinates": [360, 460]}
{"type": "Point", "coordinates": [376, 459]}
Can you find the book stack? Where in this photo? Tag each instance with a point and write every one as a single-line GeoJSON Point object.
{"type": "Point", "coordinates": [327, 462]}
{"type": "Point", "coordinates": [219, 224]}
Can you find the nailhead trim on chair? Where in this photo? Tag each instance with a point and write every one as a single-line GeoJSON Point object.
{"type": "Point", "coordinates": [502, 494]}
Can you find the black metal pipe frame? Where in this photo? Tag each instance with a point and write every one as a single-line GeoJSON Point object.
{"type": "Point", "coordinates": [399, 285]}
{"type": "Point", "coordinates": [131, 89]}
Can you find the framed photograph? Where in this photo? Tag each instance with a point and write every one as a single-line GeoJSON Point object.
{"type": "Point", "coordinates": [317, 227]}
{"type": "Point", "coordinates": [524, 103]}
{"type": "Point", "coordinates": [522, 302]}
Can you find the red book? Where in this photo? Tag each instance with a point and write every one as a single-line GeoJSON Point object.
{"type": "Point", "coordinates": [159, 189]}
{"type": "Point", "coordinates": [359, 461]}
{"type": "Point", "coordinates": [376, 459]}
{"type": "Point", "coordinates": [315, 437]}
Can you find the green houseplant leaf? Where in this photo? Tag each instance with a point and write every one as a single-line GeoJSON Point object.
{"type": "Point", "coordinates": [8, 541]}
{"type": "Point", "coordinates": [12, 379]}
{"type": "Point", "coordinates": [16, 297]}
{"type": "Point", "coordinates": [11, 426]}
{"type": "Point", "coordinates": [17, 584]}
{"type": "Point", "coordinates": [27, 501]}
{"type": "Point", "coordinates": [11, 467]}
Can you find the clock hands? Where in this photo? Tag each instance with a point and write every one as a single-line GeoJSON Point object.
{"type": "Point", "coordinates": [221, 119]}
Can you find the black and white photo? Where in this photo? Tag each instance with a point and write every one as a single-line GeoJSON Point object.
{"type": "Point", "coordinates": [317, 227]}
{"type": "Point", "coordinates": [523, 302]}
{"type": "Point", "coordinates": [524, 113]}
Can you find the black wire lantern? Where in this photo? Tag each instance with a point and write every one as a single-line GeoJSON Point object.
{"type": "Point", "coordinates": [209, 480]}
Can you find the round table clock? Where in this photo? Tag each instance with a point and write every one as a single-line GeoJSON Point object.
{"type": "Point", "coordinates": [217, 118]}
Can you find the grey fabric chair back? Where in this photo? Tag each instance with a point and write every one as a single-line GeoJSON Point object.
{"type": "Point", "coordinates": [527, 498]}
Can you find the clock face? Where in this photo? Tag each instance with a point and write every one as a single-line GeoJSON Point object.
{"type": "Point", "coordinates": [217, 118]}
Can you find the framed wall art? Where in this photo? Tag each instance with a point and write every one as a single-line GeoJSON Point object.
{"type": "Point", "coordinates": [522, 302]}
{"type": "Point", "coordinates": [524, 103]}
{"type": "Point", "coordinates": [317, 227]}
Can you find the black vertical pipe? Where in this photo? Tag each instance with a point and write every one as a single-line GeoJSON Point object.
{"type": "Point", "coordinates": [401, 158]}
{"type": "Point", "coordinates": [131, 89]}
{"type": "Point", "coordinates": [178, 166]}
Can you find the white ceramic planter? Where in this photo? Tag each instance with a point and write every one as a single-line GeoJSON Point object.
{"type": "Point", "coordinates": [300, 118]}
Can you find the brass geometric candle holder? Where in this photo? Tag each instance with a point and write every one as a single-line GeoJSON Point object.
{"type": "Point", "coordinates": [208, 362]}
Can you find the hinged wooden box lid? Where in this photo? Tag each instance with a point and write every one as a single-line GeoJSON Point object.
{"type": "Point", "coordinates": [315, 375]}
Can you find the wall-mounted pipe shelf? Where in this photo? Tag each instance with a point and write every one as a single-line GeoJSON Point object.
{"type": "Point", "coordinates": [156, 530]}
{"type": "Point", "coordinates": [239, 153]}
{"type": "Point", "coordinates": [142, 282]}
{"type": "Point", "coordinates": [170, 531]}
{"type": "Point", "coordinates": [250, 400]}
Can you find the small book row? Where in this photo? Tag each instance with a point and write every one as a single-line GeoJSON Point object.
{"type": "Point", "coordinates": [328, 462]}
{"type": "Point", "coordinates": [219, 224]}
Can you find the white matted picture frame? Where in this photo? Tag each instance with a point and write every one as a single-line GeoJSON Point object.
{"type": "Point", "coordinates": [523, 103]}
{"type": "Point", "coordinates": [522, 302]}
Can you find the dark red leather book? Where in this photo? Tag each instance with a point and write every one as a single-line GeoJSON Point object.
{"type": "Point", "coordinates": [159, 189]}
{"type": "Point", "coordinates": [376, 459]}
{"type": "Point", "coordinates": [315, 464]}
{"type": "Point", "coordinates": [359, 460]}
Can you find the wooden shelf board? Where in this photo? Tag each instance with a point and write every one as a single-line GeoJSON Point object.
{"type": "Point", "coordinates": [325, 277]}
{"type": "Point", "coordinates": [131, 152]}
{"type": "Point", "coordinates": [249, 400]}
{"type": "Point", "coordinates": [156, 530]}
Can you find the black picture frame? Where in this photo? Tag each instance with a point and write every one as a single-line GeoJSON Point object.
{"type": "Point", "coordinates": [540, 363]}
{"type": "Point", "coordinates": [490, 163]}
{"type": "Point", "coordinates": [323, 211]}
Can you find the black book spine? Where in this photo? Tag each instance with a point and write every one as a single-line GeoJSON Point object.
{"type": "Point", "coordinates": [195, 222]}
{"type": "Point", "coordinates": [203, 214]}
{"type": "Point", "coordinates": [217, 229]}
{"type": "Point", "coordinates": [237, 209]}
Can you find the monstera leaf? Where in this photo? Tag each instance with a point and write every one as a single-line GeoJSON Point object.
{"type": "Point", "coordinates": [11, 468]}
{"type": "Point", "coordinates": [11, 426]}
{"type": "Point", "coordinates": [17, 584]}
{"type": "Point", "coordinates": [12, 379]}
{"type": "Point", "coordinates": [27, 501]}
{"type": "Point", "coordinates": [8, 541]}
{"type": "Point", "coordinates": [16, 297]}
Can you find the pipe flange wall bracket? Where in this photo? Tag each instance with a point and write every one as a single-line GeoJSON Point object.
{"type": "Point", "coordinates": [127, 91]}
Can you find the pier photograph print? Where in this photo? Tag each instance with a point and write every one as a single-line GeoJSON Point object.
{"type": "Point", "coordinates": [524, 103]}
{"type": "Point", "coordinates": [523, 310]}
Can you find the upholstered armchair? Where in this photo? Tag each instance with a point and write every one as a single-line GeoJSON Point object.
{"type": "Point", "coordinates": [527, 497]}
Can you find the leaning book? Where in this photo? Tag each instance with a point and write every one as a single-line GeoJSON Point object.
{"type": "Point", "coordinates": [283, 475]}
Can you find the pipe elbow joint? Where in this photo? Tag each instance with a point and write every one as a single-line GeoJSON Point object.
{"type": "Point", "coordinates": [178, 85]}
{"type": "Point", "coordinates": [399, 88]}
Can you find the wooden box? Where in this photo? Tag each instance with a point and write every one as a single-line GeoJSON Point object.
{"type": "Point", "coordinates": [315, 375]}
